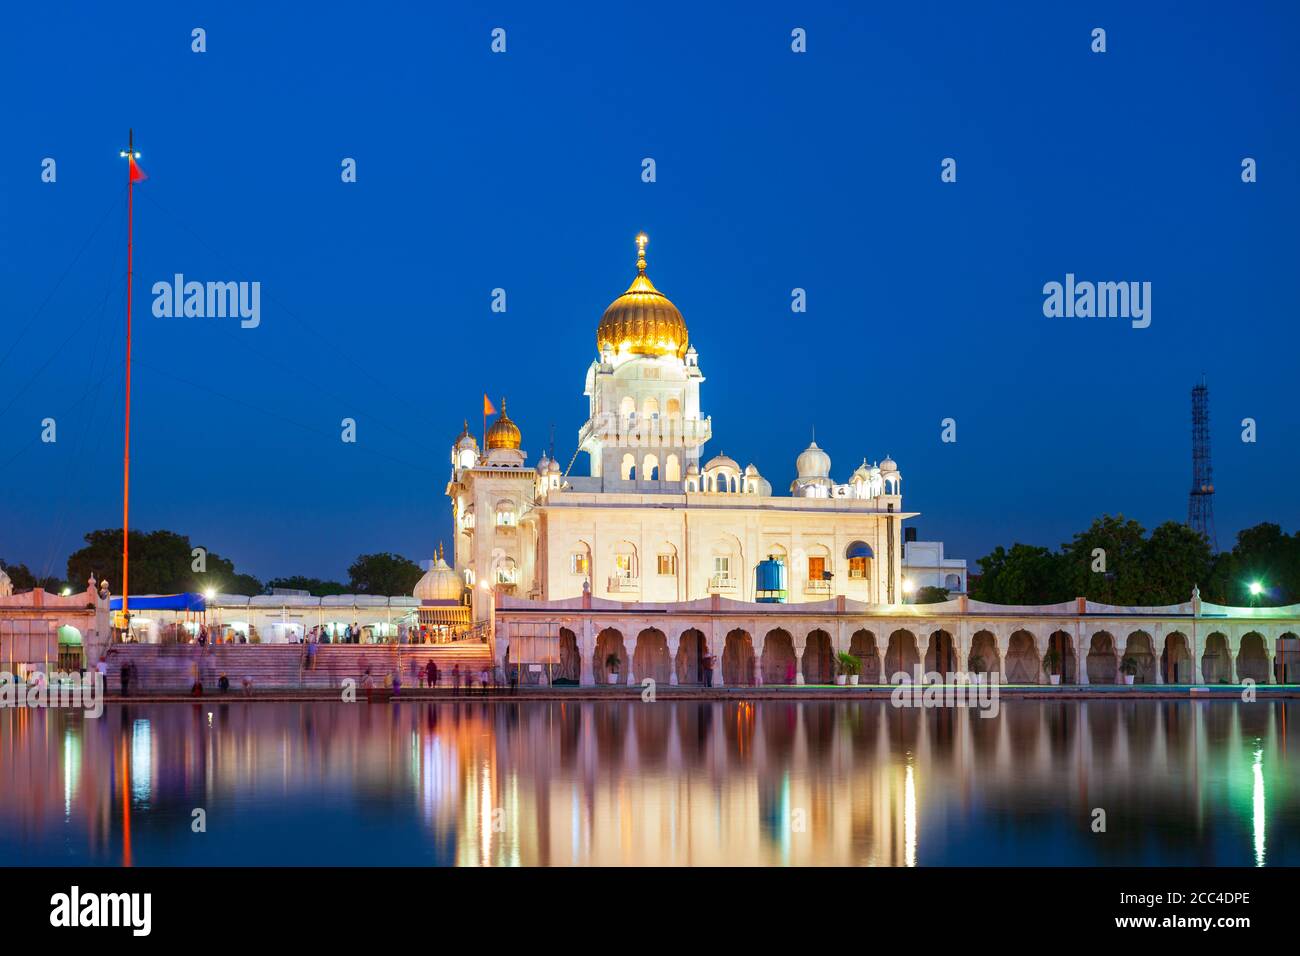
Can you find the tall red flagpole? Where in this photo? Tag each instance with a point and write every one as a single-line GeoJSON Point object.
{"type": "Point", "coordinates": [130, 155]}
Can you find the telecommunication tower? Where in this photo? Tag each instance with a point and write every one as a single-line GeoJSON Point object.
{"type": "Point", "coordinates": [1200, 503]}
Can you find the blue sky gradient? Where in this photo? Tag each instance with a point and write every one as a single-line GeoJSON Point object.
{"type": "Point", "coordinates": [522, 171]}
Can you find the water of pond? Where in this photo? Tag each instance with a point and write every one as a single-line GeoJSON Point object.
{"type": "Point", "coordinates": [667, 783]}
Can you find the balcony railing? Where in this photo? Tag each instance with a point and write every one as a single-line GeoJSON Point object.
{"type": "Point", "coordinates": [722, 582]}
{"type": "Point", "coordinates": [817, 587]}
{"type": "Point", "coordinates": [640, 432]}
{"type": "Point", "coordinates": [620, 583]}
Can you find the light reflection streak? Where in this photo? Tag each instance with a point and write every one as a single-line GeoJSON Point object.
{"type": "Point", "coordinates": [1258, 807]}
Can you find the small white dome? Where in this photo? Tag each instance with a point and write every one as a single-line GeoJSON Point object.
{"type": "Point", "coordinates": [554, 467]}
{"type": "Point", "coordinates": [813, 463]}
{"type": "Point", "coordinates": [721, 461]}
{"type": "Point", "coordinates": [543, 464]}
{"type": "Point", "coordinates": [440, 583]}
{"type": "Point", "coordinates": [751, 471]}
{"type": "Point", "coordinates": [692, 469]}
{"type": "Point", "coordinates": [863, 473]}
{"type": "Point", "coordinates": [888, 464]}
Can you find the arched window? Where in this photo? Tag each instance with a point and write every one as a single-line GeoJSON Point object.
{"type": "Point", "coordinates": [650, 407]}
{"type": "Point", "coordinates": [650, 468]}
{"type": "Point", "coordinates": [627, 407]}
{"type": "Point", "coordinates": [506, 515]}
{"type": "Point", "coordinates": [507, 572]}
{"type": "Point", "coordinates": [672, 469]}
{"type": "Point", "coordinates": [625, 565]}
{"type": "Point", "coordinates": [952, 582]}
{"type": "Point", "coordinates": [627, 471]}
{"type": "Point", "coordinates": [859, 556]}
{"type": "Point", "coordinates": [673, 407]}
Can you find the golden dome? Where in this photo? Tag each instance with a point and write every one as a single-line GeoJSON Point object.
{"type": "Point", "coordinates": [642, 320]}
{"type": "Point", "coordinates": [504, 433]}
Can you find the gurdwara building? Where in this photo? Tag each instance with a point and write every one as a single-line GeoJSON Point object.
{"type": "Point", "coordinates": [654, 519]}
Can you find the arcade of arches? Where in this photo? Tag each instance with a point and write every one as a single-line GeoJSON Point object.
{"type": "Point", "coordinates": [674, 650]}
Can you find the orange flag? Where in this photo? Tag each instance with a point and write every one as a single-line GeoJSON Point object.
{"type": "Point", "coordinates": [487, 406]}
{"type": "Point", "coordinates": [137, 174]}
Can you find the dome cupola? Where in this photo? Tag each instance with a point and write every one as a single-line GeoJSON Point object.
{"type": "Point", "coordinates": [813, 462]}
{"type": "Point", "coordinates": [504, 433]}
{"type": "Point", "coordinates": [440, 583]}
{"type": "Point", "coordinates": [642, 321]}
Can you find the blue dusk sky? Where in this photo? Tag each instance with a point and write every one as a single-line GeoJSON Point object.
{"type": "Point", "coordinates": [522, 170]}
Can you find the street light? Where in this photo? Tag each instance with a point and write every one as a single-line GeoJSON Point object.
{"type": "Point", "coordinates": [1256, 588]}
{"type": "Point", "coordinates": [909, 586]}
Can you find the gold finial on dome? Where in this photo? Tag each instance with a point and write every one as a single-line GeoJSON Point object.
{"type": "Point", "coordinates": [504, 433]}
{"type": "Point", "coordinates": [642, 321]}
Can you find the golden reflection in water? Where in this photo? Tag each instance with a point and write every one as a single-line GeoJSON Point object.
{"type": "Point", "coordinates": [666, 784]}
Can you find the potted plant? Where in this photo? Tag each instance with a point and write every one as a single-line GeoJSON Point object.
{"type": "Point", "coordinates": [849, 667]}
{"type": "Point", "coordinates": [975, 669]}
{"type": "Point", "coordinates": [1128, 667]}
{"type": "Point", "coordinates": [1052, 664]}
{"type": "Point", "coordinates": [611, 665]}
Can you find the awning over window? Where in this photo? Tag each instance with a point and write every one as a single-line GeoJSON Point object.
{"type": "Point", "coordinates": [859, 549]}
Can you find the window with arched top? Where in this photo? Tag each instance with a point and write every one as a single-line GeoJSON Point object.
{"type": "Point", "coordinates": [625, 564]}
{"type": "Point", "coordinates": [672, 469]}
{"type": "Point", "coordinates": [627, 470]}
{"type": "Point", "coordinates": [650, 468]}
{"type": "Point", "coordinates": [859, 556]}
{"type": "Point", "coordinates": [507, 516]}
{"type": "Point", "coordinates": [673, 407]}
{"type": "Point", "coordinates": [627, 407]}
{"type": "Point", "coordinates": [650, 407]}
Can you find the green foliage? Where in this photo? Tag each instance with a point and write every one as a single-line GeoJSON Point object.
{"type": "Point", "coordinates": [1052, 661]}
{"type": "Point", "coordinates": [22, 579]}
{"type": "Point", "coordinates": [161, 563]}
{"type": "Point", "coordinates": [1024, 575]}
{"type": "Point", "coordinates": [611, 662]}
{"type": "Point", "coordinates": [930, 595]}
{"type": "Point", "coordinates": [1265, 554]}
{"type": "Point", "coordinates": [848, 663]}
{"type": "Point", "coordinates": [313, 586]}
{"type": "Point", "coordinates": [384, 574]}
{"type": "Point", "coordinates": [1114, 561]}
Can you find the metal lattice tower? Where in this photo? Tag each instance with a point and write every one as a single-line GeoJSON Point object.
{"type": "Point", "coordinates": [1200, 502]}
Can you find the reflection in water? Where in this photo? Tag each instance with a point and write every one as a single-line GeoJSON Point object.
{"type": "Point", "coordinates": [670, 783]}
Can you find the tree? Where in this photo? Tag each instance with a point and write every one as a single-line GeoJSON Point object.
{"type": "Point", "coordinates": [1175, 559]}
{"type": "Point", "coordinates": [930, 595]}
{"type": "Point", "coordinates": [162, 562]}
{"type": "Point", "coordinates": [313, 586]}
{"type": "Point", "coordinates": [1027, 574]}
{"type": "Point", "coordinates": [384, 573]}
{"type": "Point", "coordinates": [22, 578]}
{"type": "Point", "coordinates": [1264, 554]}
{"type": "Point", "coordinates": [1106, 563]}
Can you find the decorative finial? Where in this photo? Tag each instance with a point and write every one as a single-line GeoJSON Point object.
{"type": "Point", "coordinates": [641, 240]}
{"type": "Point", "coordinates": [503, 406]}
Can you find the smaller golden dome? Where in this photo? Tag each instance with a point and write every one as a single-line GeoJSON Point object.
{"type": "Point", "coordinates": [504, 433]}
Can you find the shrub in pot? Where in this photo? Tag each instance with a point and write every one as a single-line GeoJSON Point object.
{"type": "Point", "coordinates": [612, 665]}
{"type": "Point", "coordinates": [1052, 665]}
{"type": "Point", "coordinates": [849, 667]}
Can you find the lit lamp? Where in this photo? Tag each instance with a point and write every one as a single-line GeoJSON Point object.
{"type": "Point", "coordinates": [909, 588]}
{"type": "Point", "coordinates": [1256, 589]}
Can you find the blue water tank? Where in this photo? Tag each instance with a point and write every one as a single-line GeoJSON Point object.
{"type": "Point", "coordinates": [769, 582]}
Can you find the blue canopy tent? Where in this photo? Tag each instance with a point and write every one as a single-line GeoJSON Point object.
{"type": "Point", "coordinates": [188, 601]}
{"type": "Point", "coordinates": [859, 549]}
